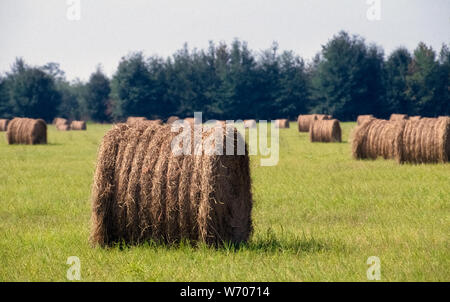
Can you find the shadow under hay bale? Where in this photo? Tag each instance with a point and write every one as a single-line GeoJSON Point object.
{"type": "Point", "coordinates": [142, 191]}
{"type": "Point", "coordinates": [282, 123]}
{"type": "Point", "coordinates": [426, 141]}
{"type": "Point", "coordinates": [398, 117]}
{"type": "Point", "coordinates": [327, 131]}
{"type": "Point", "coordinates": [27, 131]}
{"type": "Point", "coordinates": [4, 124]}
{"type": "Point", "coordinates": [362, 118]}
{"type": "Point", "coordinates": [78, 125]}
{"type": "Point", "coordinates": [375, 137]}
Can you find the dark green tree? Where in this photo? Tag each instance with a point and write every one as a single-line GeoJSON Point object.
{"type": "Point", "coordinates": [396, 73]}
{"type": "Point", "coordinates": [97, 96]}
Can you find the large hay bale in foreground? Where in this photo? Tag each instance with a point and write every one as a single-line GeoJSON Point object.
{"type": "Point", "coordinates": [131, 120]}
{"type": "Point", "coordinates": [362, 118]}
{"type": "Point", "coordinates": [78, 125]}
{"type": "Point", "coordinates": [4, 124]}
{"type": "Point", "coordinates": [327, 131]}
{"type": "Point", "coordinates": [249, 123]}
{"type": "Point", "coordinates": [376, 137]}
{"type": "Point", "coordinates": [415, 118]}
{"type": "Point", "coordinates": [172, 119]}
{"type": "Point", "coordinates": [27, 131]}
{"type": "Point", "coordinates": [398, 117]}
{"type": "Point", "coordinates": [282, 123]}
{"type": "Point", "coordinates": [426, 141]}
{"type": "Point", "coordinates": [142, 191]}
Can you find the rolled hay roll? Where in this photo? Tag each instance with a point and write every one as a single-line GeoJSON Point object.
{"type": "Point", "coordinates": [426, 141]}
{"type": "Point", "coordinates": [59, 120]}
{"type": "Point", "coordinates": [362, 118]}
{"type": "Point", "coordinates": [415, 118]}
{"type": "Point", "coordinates": [304, 121]}
{"type": "Point", "coordinates": [376, 137]}
{"type": "Point", "coordinates": [131, 120]}
{"type": "Point", "coordinates": [142, 191]}
{"type": "Point", "coordinates": [327, 131]}
{"type": "Point", "coordinates": [398, 117]}
{"type": "Point", "coordinates": [282, 123]}
{"type": "Point", "coordinates": [4, 124]}
{"type": "Point", "coordinates": [27, 131]}
{"type": "Point", "coordinates": [63, 127]}
{"type": "Point", "coordinates": [61, 124]}
{"type": "Point", "coordinates": [78, 125]}
{"type": "Point", "coordinates": [172, 119]}
{"type": "Point", "coordinates": [249, 123]}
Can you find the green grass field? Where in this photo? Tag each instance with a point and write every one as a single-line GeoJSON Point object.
{"type": "Point", "coordinates": [318, 215]}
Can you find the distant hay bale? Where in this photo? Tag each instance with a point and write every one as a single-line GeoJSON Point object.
{"type": "Point", "coordinates": [172, 119]}
{"type": "Point", "coordinates": [398, 117]}
{"type": "Point", "coordinates": [142, 191]}
{"type": "Point", "coordinates": [364, 117]}
{"type": "Point", "coordinates": [27, 131]}
{"type": "Point", "coordinates": [304, 121]}
{"type": "Point", "coordinates": [327, 131]}
{"type": "Point", "coordinates": [415, 118]}
{"type": "Point", "coordinates": [426, 140]}
{"type": "Point", "coordinates": [4, 124]}
{"type": "Point", "coordinates": [249, 123]}
{"type": "Point", "coordinates": [376, 137]}
{"type": "Point", "coordinates": [282, 123]}
{"type": "Point", "coordinates": [59, 120]}
{"type": "Point", "coordinates": [135, 119]}
{"type": "Point", "coordinates": [61, 124]}
{"type": "Point", "coordinates": [78, 125]}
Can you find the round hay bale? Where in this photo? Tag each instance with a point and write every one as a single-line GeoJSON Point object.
{"type": "Point", "coordinates": [415, 118]}
{"type": "Point", "coordinates": [4, 124]}
{"type": "Point", "coordinates": [172, 119]}
{"type": "Point", "coordinates": [364, 117]}
{"type": "Point", "coordinates": [282, 123]}
{"type": "Point", "coordinates": [398, 117]}
{"type": "Point", "coordinates": [27, 131]}
{"type": "Point", "coordinates": [135, 119]}
{"type": "Point", "coordinates": [426, 141]}
{"type": "Point", "coordinates": [304, 121]}
{"type": "Point", "coordinates": [78, 125]}
{"type": "Point", "coordinates": [375, 137]}
{"type": "Point", "coordinates": [249, 123]}
{"type": "Point", "coordinates": [59, 120]}
{"type": "Point", "coordinates": [143, 191]}
{"type": "Point", "coordinates": [61, 124]}
{"type": "Point", "coordinates": [327, 131]}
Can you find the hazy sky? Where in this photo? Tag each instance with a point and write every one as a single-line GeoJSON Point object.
{"type": "Point", "coordinates": [40, 31]}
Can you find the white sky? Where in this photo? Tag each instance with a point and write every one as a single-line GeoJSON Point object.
{"type": "Point", "coordinates": [40, 32]}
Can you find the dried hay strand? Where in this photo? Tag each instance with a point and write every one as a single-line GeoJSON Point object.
{"type": "Point", "coordinates": [426, 141]}
{"type": "Point", "coordinates": [415, 118]}
{"type": "Point", "coordinates": [27, 131]}
{"type": "Point", "coordinates": [78, 125]}
{"type": "Point", "coordinates": [398, 117]}
{"type": "Point", "coordinates": [4, 124]}
{"type": "Point", "coordinates": [249, 123]}
{"type": "Point", "coordinates": [304, 121]}
{"type": "Point", "coordinates": [327, 131]}
{"type": "Point", "coordinates": [362, 118]}
{"type": "Point", "coordinates": [172, 119]}
{"type": "Point", "coordinates": [375, 137]}
{"type": "Point", "coordinates": [282, 123]}
{"type": "Point", "coordinates": [142, 191]}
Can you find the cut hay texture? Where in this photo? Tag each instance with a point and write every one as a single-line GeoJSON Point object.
{"type": "Point", "coordinates": [364, 117]}
{"type": "Point", "coordinates": [4, 124]}
{"type": "Point", "coordinates": [327, 131]}
{"type": "Point", "coordinates": [61, 124]}
{"type": "Point", "coordinates": [304, 121]}
{"type": "Point", "coordinates": [398, 117]}
{"type": "Point", "coordinates": [135, 119]}
{"type": "Point", "coordinates": [142, 191]}
{"type": "Point", "coordinates": [249, 123]}
{"type": "Point", "coordinates": [78, 125]}
{"type": "Point", "coordinates": [282, 123]}
{"type": "Point", "coordinates": [376, 137]}
{"type": "Point", "coordinates": [172, 119]}
{"type": "Point", "coordinates": [426, 140]}
{"type": "Point", "coordinates": [27, 131]}
{"type": "Point", "coordinates": [415, 118]}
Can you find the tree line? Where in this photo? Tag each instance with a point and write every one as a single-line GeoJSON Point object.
{"type": "Point", "coordinates": [346, 78]}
